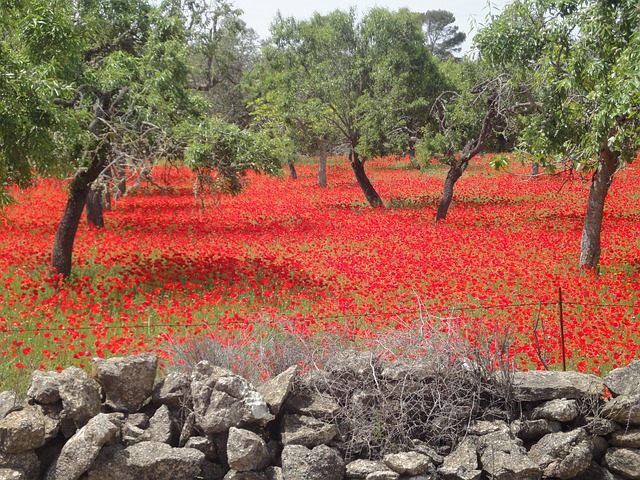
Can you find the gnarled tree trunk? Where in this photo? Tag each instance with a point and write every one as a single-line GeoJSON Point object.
{"type": "Point", "coordinates": [322, 163]}
{"type": "Point", "coordinates": [65, 235]}
{"type": "Point", "coordinates": [369, 192]}
{"type": "Point", "coordinates": [292, 170]}
{"type": "Point", "coordinates": [455, 172]}
{"type": "Point", "coordinates": [602, 178]}
{"type": "Point", "coordinates": [95, 206]}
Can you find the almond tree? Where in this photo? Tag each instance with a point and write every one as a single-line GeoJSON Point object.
{"type": "Point", "coordinates": [579, 61]}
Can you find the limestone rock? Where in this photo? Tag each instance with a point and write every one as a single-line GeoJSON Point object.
{"type": "Point", "coordinates": [383, 475]}
{"type": "Point", "coordinates": [624, 461]}
{"type": "Point", "coordinates": [81, 399]}
{"type": "Point", "coordinates": [274, 473]}
{"type": "Point", "coordinates": [529, 430]}
{"type": "Point", "coordinates": [44, 387]}
{"type": "Point", "coordinates": [399, 370]}
{"type": "Point", "coordinates": [462, 463]}
{"type": "Point", "coordinates": [159, 429]}
{"type": "Point", "coordinates": [542, 385]}
{"type": "Point", "coordinates": [22, 430]}
{"type": "Point", "coordinates": [82, 449]}
{"type": "Point", "coordinates": [359, 469]}
{"type": "Point", "coordinates": [408, 463]}
{"type": "Point", "coordinates": [558, 410]}
{"type": "Point", "coordinates": [624, 410]}
{"type": "Point", "coordinates": [319, 463]}
{"type": "Point", "coordinates": [246, 451]}
{"type": "Point", "coordinates": [625, 438]}
{"type": "Point", "coordinates": [313, 404]}
{"type": "Point", "coordinates": [21, 466]}
{"type": "Point", "coordinates": [600, 426]}
{"type": "Point", "coordinates": [205, 445]}
{"type": "Point", "coordinates": [236, 475]}
{"type": "Point", "coordinates": [307, 431]}
{"type": "Point", "coordinates": [147, 461]}
{"type": "Point", "coordinates": [9, 402]}
{"type": "Point", "coordinates": [222, 400]}
{"type": "Point", "coordinates": [173, 391]}
{"type": "Point", "coordinates": [127, 382]}
{"type": "Point", "coordinates": [504, 458]}
{"type": "Point", "coordinates": [625, 380]}
{"type": "Point", "coordinates": [563, 455]}
{"type": "Point", "coordinates": [276, 390]}
{"type": "Point", "coordinates": [348, 365]}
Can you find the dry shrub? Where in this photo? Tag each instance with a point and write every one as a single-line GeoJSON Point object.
{"type": "Point", "coordinates": [422, 383]}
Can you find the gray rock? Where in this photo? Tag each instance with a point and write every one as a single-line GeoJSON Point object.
{"type": "Point", "coordinates": [483, 427]}
{"type": "Point", "coordinates": [22, 466]}
{"type": "Point", "coordinates": [140, 420]}
{"type": "Point", "coordinates": [383, 475]}
{"type": "Point", "coordinates": [625, 380]}
{"type": "Point", "coordinates": [205, 445]}
{"type": "Point", "coordinates": [462, 463]}
{"type": "Point", "coordinates": [246, 451]}
{"type": "Point", "coordinates": [625, 438]}
{"type": "Point", "coordinates": [236, 475]}
{"type": "Point", "coordinates": [82, 449]}
{"type": "Point", "coordinates": [359, 469]}
{"type": "Point", "coordinates": [274, 473]}
{"type": "Point", "coordinates": [347, 365]}
{"type": "Point", "coordinates": [596, 472]}
{"type": "Point", "coordinates": [313, 405]}
{"type": "Point", "coordinates": [319, 463]}
{"type": "Point", "coordinates": [276, 390]}
{"type": "Point", "coordinates": [421, 447]}
{"type": "Point", "coordinates": [408, 463]}
{"type": "Point", "coordinates": [9, 402]}
{"type": "Point", "coordinates": [127, 381]}
{"type": "Point", "coordinates": [222, 400]}
{"type": "Point", "coordinates": [44, 387]}
{"type": "Point", "coordinates": [542, 385]}
{"type": "Point", "coordinates": [399, 370]}
{"type": "Point", "coordinates": [558, 410]}
{"type": "Point", "coordinates": [564, 454]}
{"type": "Point", "coordinates": [307, 431]}
{"type": "Point", "coordinates": [81, 399]}
{"type": "Point", "coordinates": [188, 428]}
{"type": "Point", "coordinates": [624, 461]}
{"type": "Point", "coordinates": [147, 461]}
{"type": "Point", "coordinates": [504, 458]}
{"type": "Point", "coordinates": [173, 391]}
{"type": "Point", "coordinates": [600, 426]}
{"type": "Point", "coordinates": [624, 409]}
{"type": "Point", "coordinates": [159, 429]}
{"type": "Point", "coordinates": [22, 430]}
{"type": "Point", "coordinates": [529, 430]}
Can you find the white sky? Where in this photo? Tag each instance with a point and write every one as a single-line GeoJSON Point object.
{"type": "Point", "coordinates": [258, 14]}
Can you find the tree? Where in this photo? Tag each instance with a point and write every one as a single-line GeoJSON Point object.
{"type": "Point", "coordinates": [443, 38]}
{"type": "Point", "coordinates": [364, 79]}
{"type": "Point", "coordinates": [579, 60]}
{"type": "Point", "coordinates": [116, 89]}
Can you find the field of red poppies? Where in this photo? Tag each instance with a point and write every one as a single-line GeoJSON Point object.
{"type": "Point", "coordinates": [289, 255]}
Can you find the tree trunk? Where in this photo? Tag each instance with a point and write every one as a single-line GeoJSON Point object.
{"type": "Point", "coordinates": [369, 192]}
{"type": "Point", "coordinates": [413, 163]}
{"type": "Point", "coordinates": [322, 164]}
{"type": "Point", "coordinates": [65, 235]}
{"type": "Point", "coordinates": [535, 169]}
{"type": "Point", "coordinates": [95, 206]}
{"type": "Point", "coordinates": [292, 171]}
{"type": "Point", "coordinates": [455, 172]}
{"type": "Point", "coordinates": [600, 183]}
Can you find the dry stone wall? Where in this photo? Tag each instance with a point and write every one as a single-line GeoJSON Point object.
{"type": "Point", "coordinates": [122, 423]}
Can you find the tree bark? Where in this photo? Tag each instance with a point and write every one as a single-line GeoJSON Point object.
{"type": "Point", "coordinates": [455, 172]}
{"type": "Point", "coordinates": [292, 171]}
{"type": "Point", "coordinates": [65, 235]}
{"type": "Point", "coordinates": [95, 206]}
{"type": "Point", "coordinates": [322, 164]}
{"type": "Point", "coordinates": [590, 248]}
{"type": "Point", "coordinates": [369, 192]}
{"type": "Point", "coordinates": [413, 163]}
{"type": "Point", "coordinates": [535, 169]}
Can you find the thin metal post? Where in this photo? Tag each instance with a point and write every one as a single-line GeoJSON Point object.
{"type": "Point", "coordinates": [564, 358]}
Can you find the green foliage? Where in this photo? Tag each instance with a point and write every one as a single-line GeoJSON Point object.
{"type": "Point", "coordinates": [332, 76]}
{"type": "Point", "coordinates": [579, 60]}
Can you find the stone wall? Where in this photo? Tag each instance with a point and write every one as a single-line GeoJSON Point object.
{"type": "Point", "coordinates": [122, 423]}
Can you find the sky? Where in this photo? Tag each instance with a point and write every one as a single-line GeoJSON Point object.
{"type": "Point", "coordinates": [258, 14]}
